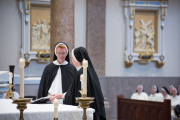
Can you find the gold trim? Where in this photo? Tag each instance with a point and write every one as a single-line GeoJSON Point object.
{"type": "Point", "coordinates": [147, 3]}
{"type": "Point", "coordinates": [27, 3]}
{"type": "Point", "coordinates": [156, 28]}
{"type": "Point", "coordinates": [164, 11]}
{"type": "Point", "coordinates": [43, 52]}
{"type": "Point", "coordinates": [145, 54]}
{"type": "Point", "coordinates": [128, 64]}
{"type": "Point", "coordinates": [125, 49]}
{"type": "Point", "coordinates": [27, 13]}
{"type": "Point", "coordinates": [132, 10]}
{"type": "Point", "coordinates": [26, 22]}
{"type": "Point", "coordinates": [21, 46]}
{"type": "Point", "coordinates": [26, 59]}
{"type": "Point", "coordinates": [131, 17]}
{"type": "Point", "coordinates": [159, 64]}
{"type": "Point", "coordinates": [130, 26]}
{"type": "Point", "coordinates": [162, 27]}
{"type": "Point", "coordinates": [162, 18]}
{"type": "Point", "coordinates": [132, 2]}
{"type": "Point", "coordinates": [164, 3]}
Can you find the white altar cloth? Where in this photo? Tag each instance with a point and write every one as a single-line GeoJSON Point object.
{"type": "Point", "coordinates": [8, 111]}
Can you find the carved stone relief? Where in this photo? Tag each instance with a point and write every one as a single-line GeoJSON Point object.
{"type": "Point", "coordinates": [40, 35]}
{"type": "Point", "coordinates": [144, 37]}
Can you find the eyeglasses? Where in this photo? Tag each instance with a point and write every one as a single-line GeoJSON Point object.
{"type": "Point", "coordinates": [58, 53]}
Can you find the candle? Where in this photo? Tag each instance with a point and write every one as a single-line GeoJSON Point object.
{"type": "Point", "coordinates": [56, 104]}
{"type": "Point", "coordinates": [10, 77]}
{"type": "Point", "coordinates": [81, 81]}
{"type": "Point", "coordinates": [85, 65]}
{"type": "Point", "coordinates": [21, 64]}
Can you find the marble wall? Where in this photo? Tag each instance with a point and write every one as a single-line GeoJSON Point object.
{"type": "Point", "coordinates": [95, 36]}
{"type": "Point", "coordinates": [113, 86]}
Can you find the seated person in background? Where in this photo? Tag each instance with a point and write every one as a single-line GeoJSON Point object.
{"type": "Point", "coordinates": [139, 95]}
{"type": "Point", "coordinates": [58, 75]}
{"type": "Point", "coordinates": [175, 100]}
{"type": "Point", "coordinates": [165, 94]}
{"type": "Point", "coordinates": [154, 96]}
{"type": "Point", "coordinates": [178, 89]}
{"type": "Point", "coordinates": [170, 89]}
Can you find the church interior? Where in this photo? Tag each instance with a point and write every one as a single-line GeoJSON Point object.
{"type": "Point", "coordinates": [134, 47]}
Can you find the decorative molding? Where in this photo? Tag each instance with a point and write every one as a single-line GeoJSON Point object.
{"type": "Point", "coordinates": [156, 38]}
{"type": "Point", "coordinates": [25, 9]}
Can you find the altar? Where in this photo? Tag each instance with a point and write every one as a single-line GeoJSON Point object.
{"type": "Point", "coordinates": [8, 111]}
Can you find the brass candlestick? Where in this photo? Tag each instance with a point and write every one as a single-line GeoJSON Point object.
{"type": "Point", "coordinates": [9, 93]}
{"type": "Point", "coordinates": [21, 105]}
{"type": "Point", "coordinates": [81, 91]}
{"type": "Point", "coordinates": [84, 103]}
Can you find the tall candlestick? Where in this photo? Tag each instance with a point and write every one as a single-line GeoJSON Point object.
{"type": "Point", "coordinates": [10, 77]}
{"type": "Point", "coordinates": [82, 81]}
{"type": "Point", "coordinates": [85, 65]}
{"type": "Point", "coordinates": [21, 64]}
{"type": "Point", "coordinates": [56, 104]}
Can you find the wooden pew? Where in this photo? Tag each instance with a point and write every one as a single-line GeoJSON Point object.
{"type": "Point", "coordinates": [129, 109]}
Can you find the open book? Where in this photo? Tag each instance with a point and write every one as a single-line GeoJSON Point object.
{"type": "Point", "coordinates": [41, 100]}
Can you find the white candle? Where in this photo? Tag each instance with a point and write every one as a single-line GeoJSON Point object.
{"type": "Point", "coordinates": [56, 104]}
{"type": "Point", "coordinates": [81, 81]}
{"type": "Point", "coordinates": [85, 65]}
{"type": "Point", "coordinates": [10, 77]}
{"type": "Point", "coordinates": [21, 64]}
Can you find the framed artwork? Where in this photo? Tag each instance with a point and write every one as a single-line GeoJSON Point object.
{"type": "Point", "coordinates": [35, 42]}
{"type": "Point", "coordinates": [145, 27]}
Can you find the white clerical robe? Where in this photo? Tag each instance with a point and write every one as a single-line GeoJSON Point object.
{"type": "Point", "coordinates": [174, 101]}
{"type": "Point", "coordinates": [165, 97]}
{"type": "Point", "coordinates": [154, 97]}
{"type": "Point", "coordinates": [141, 96]}
{"type": "Point", "coordinates": [56, 86]}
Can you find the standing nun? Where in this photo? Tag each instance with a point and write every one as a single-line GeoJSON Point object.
{"type": "Point", "coordinates": [57, 76]}
{"type": "Point", "coordinates": [139, 95]}
{"type": "Point", "coordinates": [93, 85]}
{"type": "Point", "coordinates": [155, 95]}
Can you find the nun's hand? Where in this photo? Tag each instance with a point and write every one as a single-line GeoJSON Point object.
{"type": "Point", "coordinates": [52, 98]}
{"type": "Point", "coordinates": [58, 96]}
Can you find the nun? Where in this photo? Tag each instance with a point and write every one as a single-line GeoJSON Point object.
{"type": "Point", "coordinates": [154, 96]}
{"type": "Point", "coordinates": [139, 95]}
{"type": "Point", "coordinates": [170, 89]}
{"type": "Point", "coordinates": [165, 93]}
{"type": "Point", "coordinates": [93, 85]}
{"type": "Point", "coordinates": [175, 100]}
{"type": "Point", "coordinates": [58, 75]}
{"type": "Point", "coordinates": [178, 89]}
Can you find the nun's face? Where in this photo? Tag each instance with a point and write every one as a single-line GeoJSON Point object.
{"type": "Point", "coordinates": [153, 90]}
{"type": "Point", "coordinates": [139, 89]}
{"type": "Point", "coordinates": [164, 93]}
{"type": "Point", "coordinates": [178, 90]}
{"type": "Point", "coordinates": [61, 54]}
{"type": "Point", "coordinates": [174, 92]}
{"type": "Point", "coordinates": [75, 63]}
{"type": "Point", "coordinates": [170, 89]}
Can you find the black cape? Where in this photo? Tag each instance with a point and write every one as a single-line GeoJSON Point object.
{"type": "Point", "coordinates": [93, 86]}
{"type": "Point", "coordinates": [67, 71]}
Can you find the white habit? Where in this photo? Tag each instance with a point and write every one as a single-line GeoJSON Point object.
{"type": "Point", "coordinates": [154, 97]}
{"type": "Point", "coordinates": [56, 86]}
{"type": "Point", "coordinates": [174, 101]}
{"type": "Point", "coordinates": [141, 96]}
